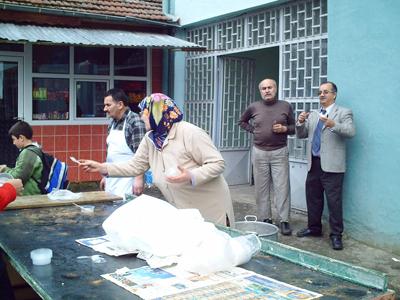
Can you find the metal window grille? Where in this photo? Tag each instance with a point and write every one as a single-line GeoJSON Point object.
{"type": "Point", "coordinates": [200, 114]}
{"type": "Point", "coordinates": [203, 36]}
{"type": "Point", "coordinates": [199, 92]}
{"type": "Point", "coordinates": [304, 69]}
{"type": "Point", "coordinates": [305, 19]}
{"type": "Point", "coordinates": [263, 28]}
{"type": "Point", "coordinates": [230, 34]}
{"type": "Point", "coordinates": [238, 91]}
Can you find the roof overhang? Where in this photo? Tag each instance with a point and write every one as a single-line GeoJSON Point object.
{"type": "Point", "coordinates": [92, 37]}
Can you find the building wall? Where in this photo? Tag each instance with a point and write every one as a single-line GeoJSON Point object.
{"type": "Point", "coordinates": [364, 49]}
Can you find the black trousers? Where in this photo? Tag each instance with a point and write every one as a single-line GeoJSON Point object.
{"type": "Point", "coordinates": [319, 182]}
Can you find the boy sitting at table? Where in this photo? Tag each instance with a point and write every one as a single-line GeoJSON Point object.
{"type": "Point", "coordinates": [28, 166]}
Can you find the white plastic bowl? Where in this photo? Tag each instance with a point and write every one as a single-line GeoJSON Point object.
{"type": "Point", "coordinates": [41, 256]}
{"type": "Point", "coordinates": [4, 177]}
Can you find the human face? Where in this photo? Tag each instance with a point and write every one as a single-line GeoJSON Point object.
{"type": "Point", "coordinates": [18, 141]}
{"type": "Point", "coordinates": [113, 109]}
{"type": "Point", "coordinates": [267, 89]}
{"type": "Point", "coordinates": [326, 95]}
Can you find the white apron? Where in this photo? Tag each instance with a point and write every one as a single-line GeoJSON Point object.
{"type": "Point", "coordinates": [118, 151]}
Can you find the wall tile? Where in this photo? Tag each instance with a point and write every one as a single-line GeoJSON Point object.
{"type": "Point", "coordinates": [61, 130]}
{"type": "Point", "coordinates": [48, 144]}
{"type": "Point", "coordinates": [73, 130]}
{"type": "Point", "coordinates": [72, 142]}
{"type": "Point", "coordinates": [85, 129]}
{"type": "Point", "coordinates": [85, 142]}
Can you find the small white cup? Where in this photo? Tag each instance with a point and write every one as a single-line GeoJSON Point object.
{"type": "Point", "coordinates": [41, 256]}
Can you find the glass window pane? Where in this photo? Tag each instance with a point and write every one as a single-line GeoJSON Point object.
{"type": "Point", "coordinates": [50, 98]}
{"type": "Point", "coordinates": [11, 47]}
{"type": "Point", "coordinates": [8, 90]}
{"type": "Point", "coordinates": [136, 91]}
{"type": "Point", "coordinates": [92, 60]}
{"type": "Point", "coordinates": [90, 99]}
{"type": "Point", "coordinates": [50, 59]}
{"type": "Point", "coordinates": [130, 62]}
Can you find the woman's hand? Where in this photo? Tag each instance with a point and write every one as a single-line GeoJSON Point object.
{"type": "Point", "coordinates": [93, 166]}
{"type": "Point", "coordinates": [138, 186]}
{"type": "Point", "coordinates": [183, 177]}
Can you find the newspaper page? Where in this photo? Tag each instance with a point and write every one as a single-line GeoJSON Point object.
{"type": "Point", "coordinates": [173, 283]}
{"type": "Point", "coordinates": [104, 245]}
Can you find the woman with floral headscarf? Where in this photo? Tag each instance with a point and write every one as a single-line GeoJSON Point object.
{"type": "Point", "coordinates": [186, 166]}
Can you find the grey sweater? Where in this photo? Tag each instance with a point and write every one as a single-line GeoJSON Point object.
{"type": "Point", "coordinates": [264, 115]}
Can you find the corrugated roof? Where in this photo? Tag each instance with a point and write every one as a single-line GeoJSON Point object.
{"type": "Point", "coordinates": [144, 9]}
{"type": "Point", "coordinates": [92, 37]}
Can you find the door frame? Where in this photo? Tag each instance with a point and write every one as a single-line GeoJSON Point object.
{"type": "Point", "coordinates": [20, 62]}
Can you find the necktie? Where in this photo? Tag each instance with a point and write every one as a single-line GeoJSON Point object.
{"type": "Point", "coordinates": [316, 141]}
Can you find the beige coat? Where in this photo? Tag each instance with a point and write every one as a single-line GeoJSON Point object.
{"type": "Point", "coordinates": [190, 147]}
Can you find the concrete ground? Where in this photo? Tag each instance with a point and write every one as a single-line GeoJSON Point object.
{"type": "Point", "coordinates": [354, 252]}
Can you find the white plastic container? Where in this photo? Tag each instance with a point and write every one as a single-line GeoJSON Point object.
{"type": "Point", "coordinates": [41, 256]}
{"type": "Point", "coordinates": [4, 177]}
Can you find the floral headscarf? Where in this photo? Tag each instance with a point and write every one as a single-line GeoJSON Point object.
{"type": "Point", "coordinates": [163, 113]}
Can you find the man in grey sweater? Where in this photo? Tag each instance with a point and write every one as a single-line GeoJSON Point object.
{"type": "Point", "coordinates": [272, 120]}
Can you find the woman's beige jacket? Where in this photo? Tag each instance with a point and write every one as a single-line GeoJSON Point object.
{"type": "Point", "coordinates": [190, 147]}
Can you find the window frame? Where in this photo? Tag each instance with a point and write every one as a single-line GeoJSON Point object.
{"type": "Point", "coordinates": [73, 120]}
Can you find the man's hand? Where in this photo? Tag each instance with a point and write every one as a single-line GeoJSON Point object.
{"type": "Point", "coordinates": [2, 167]}
{"type": "Point", "coordinates": [138, 186]}
{"type": "Point", "coordinates": [302, 117]}
{"type": "Point", "coordinates": [279, 128]}
{"type": "Point", "coordinates": [328, 122]}
{"type": "Point", "coordinates": [93, 166]}
{"type": "Point", "coordinates": [17, 183]}
{"type": "Point", "coordinates": [183, 177]}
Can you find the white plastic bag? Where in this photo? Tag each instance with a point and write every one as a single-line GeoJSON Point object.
{"type": "Point", "coordinates": [218, 252]}
{"type": "Point", "coordinates": [154, 226]}
{"type": "Point", "coordinates": [63, 195]}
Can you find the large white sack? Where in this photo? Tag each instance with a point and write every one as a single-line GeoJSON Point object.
{"type": "Point", "coordinates": [155, 226]}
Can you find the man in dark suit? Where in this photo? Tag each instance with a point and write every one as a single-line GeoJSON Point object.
{"type": "Point", "coordinates": [327, 131]}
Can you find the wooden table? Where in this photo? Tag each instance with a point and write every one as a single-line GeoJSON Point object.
{"type": "Point", "coordinates": [37, 201]}
{"type": "Point", "coordinates": [22, 230]}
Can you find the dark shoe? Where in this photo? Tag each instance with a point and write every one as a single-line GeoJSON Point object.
{"type": "Point", "coordinates": [268, 221]}
{"type": "Point", "coordinates": [307, 232]}
{"type": "Point", "coordinates": [336, 242]}
{"type": "Point", "coordinates": [285, 228]}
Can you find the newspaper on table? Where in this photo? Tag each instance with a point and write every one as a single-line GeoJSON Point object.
{"type": "Point", "coordinates": [173, 283]}
{"type": "Point", "coordinates": [104, 245]}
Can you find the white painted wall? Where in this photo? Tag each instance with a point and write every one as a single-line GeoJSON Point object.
{"type": "Point", "coordinates": [192, 11]}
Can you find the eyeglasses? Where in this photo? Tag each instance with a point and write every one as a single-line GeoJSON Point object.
{"type": "Point", "coordinates": [324, 92]}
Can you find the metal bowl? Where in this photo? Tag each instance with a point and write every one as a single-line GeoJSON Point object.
{"type": "Point", "coordinates": [263, 230]}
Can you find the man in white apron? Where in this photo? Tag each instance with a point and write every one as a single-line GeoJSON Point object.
{"type": "Point", "coordinates": [124, 135]}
